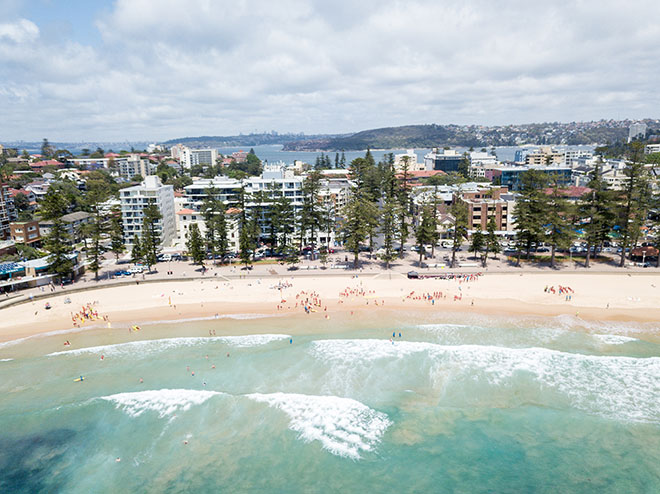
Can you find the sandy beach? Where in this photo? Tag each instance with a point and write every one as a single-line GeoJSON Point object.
{"type": "Point", "coordinates": [608, 297]}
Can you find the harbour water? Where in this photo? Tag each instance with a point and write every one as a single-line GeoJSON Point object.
{"type": "Point", "coordinates": [276, 404]}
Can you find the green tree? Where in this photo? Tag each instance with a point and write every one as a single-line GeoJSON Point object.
{"type": "Point", "coordinates": [292, 257]}
{"type": "Point", "coordinates": [354, 227]}
{"type": "Point", "coordinates": [46, 149]}
{"type": "Point", "coordinates": [281, 219]}
{"type": "Point", "coordinates": [57, 241]}
{"type": "Point", "coordinates": [425, 232]}
{"type": "Point", "coordinates": [459, 228]}
{"type": "Point", "coordinates": [464, 167]}
{"type": "Point", "coordinates": [404, 200]}
{"type": "Point", "coordinates": [151, 235]}
{"type": "Point", "coordinates": [213, 211]}
{"type": "Point", "coordinates": [389, 214]}
{"type": "Point", "coordinates": [492, 243]}
{"type": "Point", "coordinates": [137, 252]}
{"type": "Point", "coordinates": [478, 243]}
{"type": "Point", "coordinates": [245, 243]}
{"type": "Point", "coordinates": [634, 201]}
{"type": "Point", "coordinates": [558, 232]}
{"type": "Point", "coordinates": [312, 212]}
{"type": "Point", "coordinates": [530, 211]}
{"type": "Point", "coordinates": [116, 232]}
{"type": "Point", "coordinates": [596, 209]}
{"type": "Point", "coordinates": [195, 245]}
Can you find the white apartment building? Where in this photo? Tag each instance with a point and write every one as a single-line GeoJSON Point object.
{"type": "Point", "coordinates": [186, 217]}
{"type": "Point", "coordinates": [652, 148]}
{"type": "Point", "coordinates": [176, 150]}
{"type": "Point", "coordinates": [413, 164]}
{"type": "Point", "coordinates": [636, 130]}
{"type": "Point", "coordinates": [276, 181]}
{"type": "Point", "coordinates": [577, 157]}
{"type": "Point", "coordinates": [480, 162]}
{"type": "Point", "coordinates": [193, 157]}
{"type": "Point", "coordinates": [135, 199]}
{"type": "Point", "coordinates": [132, 165]}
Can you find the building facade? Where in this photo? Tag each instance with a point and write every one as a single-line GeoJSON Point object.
{"type": "Point", "coordinates": [510, 176]}
{"type": "Point", "coordinates": [7, 211]}
{"type": "Point", "coordinates": [411, 157]}
{"type": "Point", "coordinates": [135, 199]}
{"type": "Point", "coordinates": [447, 160]}
{"type": "Point", "coordinates": [487, 203]}
{"type": "Point", "coordinates": [25, 232]}
{"type": "Point", "coordinates": [72, 225]}
{"type": "Point", "coordinates": [193, 157]}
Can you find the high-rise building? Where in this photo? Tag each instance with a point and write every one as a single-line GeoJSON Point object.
{"type": "Point", "coordinates": [636, 130]}
{"type": "Point", "coordinates": [7, 211]}
{"type": "Point", "coordinates": [411, 156]}
{"type": "Point", "coordinates": [447, 160]}
{"type": "Point", "coordinates": [193, 157]}
{"type": "Point", "coordinates": [135, 199]}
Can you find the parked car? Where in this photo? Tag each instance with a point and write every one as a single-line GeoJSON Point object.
{"type": "Point", "coordinates": [121, 273]}
{"type": "Point", "coordinates": [136, 269]}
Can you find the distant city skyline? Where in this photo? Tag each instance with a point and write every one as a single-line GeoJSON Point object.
{"type": "Point", "coordinates": [138, 70]}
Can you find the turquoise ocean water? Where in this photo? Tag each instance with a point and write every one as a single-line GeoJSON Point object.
{"type": "Point", "coordinates": [463, 404]}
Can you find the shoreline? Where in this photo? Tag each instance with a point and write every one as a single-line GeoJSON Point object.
{"type": "Point", "coordinates": [603, 297]}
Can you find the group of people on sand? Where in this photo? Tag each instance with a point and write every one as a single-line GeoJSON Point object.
{"type": "Point", "coordinates": [87, 313]}
{"type": "Point", "coordinates": [431, 297]}
{"type": "Point", "coordinates": [566, 291]}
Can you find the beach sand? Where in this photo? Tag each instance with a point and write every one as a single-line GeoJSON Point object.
{"type": "Point", "coordinates": [606, 297]}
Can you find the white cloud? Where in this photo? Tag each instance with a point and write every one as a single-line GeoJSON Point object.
{"type": "Point", "coordinates": [21, 31]}
{"type": "Point", "coordinates": [171, 68]}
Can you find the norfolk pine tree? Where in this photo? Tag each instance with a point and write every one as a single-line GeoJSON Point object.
{"type": "Point", "coordinates": [195, 245]}
{"type": "Point", "coordinates": [53, 206]}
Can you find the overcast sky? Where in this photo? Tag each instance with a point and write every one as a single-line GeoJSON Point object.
{"type": "Point", "coordinates": [154, 70]}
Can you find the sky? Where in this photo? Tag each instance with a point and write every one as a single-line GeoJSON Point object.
{"type": "Point", "coordinates": [132, 70]}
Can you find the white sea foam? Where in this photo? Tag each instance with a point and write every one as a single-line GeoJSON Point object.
{"type": "Point", "coordinates": [614, 339]}
{"type": "Point", "coordinates": [6, 359]}
{"type": "Point", "coordinates": [165, 402]}
{"type": "Point", "coordinates": [344, 427]}
{"type": "Point", "coordinates": [143, 348]}
{"type": "Point", "coordinates": [211, 318]}
{"type": "Point", "coordinates": [46, 334]}
{"type": "Point", "coordinates": [252, 339]}
{"type": "Point", "coordinates": [623, 388]}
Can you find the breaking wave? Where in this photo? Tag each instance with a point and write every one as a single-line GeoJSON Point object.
{"type": "Point", "coordinates": [344, 427]}
{"type": "Point", "coordinates": [622, 388]}
{"type": "Point", "coordinates": [144, 348]}
{"type": "Point", "coordinates": [165, 402]}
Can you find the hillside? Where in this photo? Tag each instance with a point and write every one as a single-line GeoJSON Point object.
{"type": "Point", "coordinates": [432, 135]}
{"type": "Point", "coordinates": [245, 140]}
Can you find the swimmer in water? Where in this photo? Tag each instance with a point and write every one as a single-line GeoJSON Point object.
{"type": "Point", "coordinates": [141, 380]}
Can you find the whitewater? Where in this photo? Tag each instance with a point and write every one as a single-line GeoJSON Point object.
{"type": "Point", "coordinates": [461, 405]}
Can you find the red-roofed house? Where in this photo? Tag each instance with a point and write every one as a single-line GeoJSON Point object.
{"type": "Point", "coordinates": [40, 165]}
{"type": "Point", "coordinates": [571, 193]}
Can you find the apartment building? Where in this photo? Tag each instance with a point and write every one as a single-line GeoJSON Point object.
{"type": "Point", "coordinates": [72, 223]}
{"type": "Point", "coordinates": [545, 156]}
{"type": "Point", "coordinates": [485, 204]}
{"type": "Point", "coordinates": [7, 211]}
{"type": "Point", "coordinates": [411, 157]}
{"type": "Point", "coordinates": [25, 232]}
{"type": "Point", "coordinates": [277, 180]}
{"type": "Point", "coordinates": [193, 157]}
{"type": "Point", "coordinates": [135, 199]}
{"type": "Point", "coordinates": [446, 160]}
